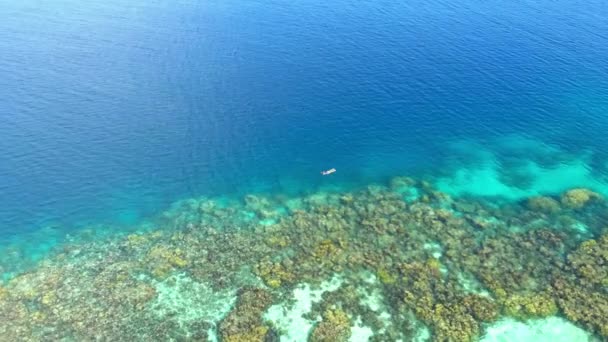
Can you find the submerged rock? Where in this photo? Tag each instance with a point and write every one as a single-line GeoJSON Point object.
{"type": "Point", "coordinates": [578, 198]}
{"type": "Point", "coordinates": [543, 204]}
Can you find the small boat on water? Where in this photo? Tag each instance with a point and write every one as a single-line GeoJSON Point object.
{"type": "Point", "coordinates": [328, 172]}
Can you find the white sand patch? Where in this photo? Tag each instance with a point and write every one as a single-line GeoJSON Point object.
{"type": "Point", "coordinates": [360, 333]}
{"type": "Point", "coordinates": [581, 227]}
{"type": "Point", "coordinates": [287, 317]}
{"type": "Point", "coordinates": [422, 335]}
{"type": "Point", "coordinates": [268, 222]}
{"type": "Point", "coordinates": [434, 248]}
{"type": "Point", "coordinates": [374, 300]}
{"type": "Point", "coordinates": [186, 300]}
{"type": "Point", "coordinates": [552, 329]}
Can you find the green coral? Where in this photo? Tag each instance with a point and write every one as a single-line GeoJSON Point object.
{"type": "Point", "coordinates": [335, 327]}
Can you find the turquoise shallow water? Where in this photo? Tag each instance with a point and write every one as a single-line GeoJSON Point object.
{"type": "Point", "coordinates": [123, 117]}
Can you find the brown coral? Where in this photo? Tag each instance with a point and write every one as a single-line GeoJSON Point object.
{"type": "Point", "coordinates": [530, 306]}
{"type": "Point", "coordinates": [244, 323]}
{"type": "Point", "coordinates": [164, 260]}
{"type": "Point", "coordinates": [452, 315]}
{"type": "Point", "coordinates": [335, 327]}
{"type": "Point", "coordinates": [583, 305]}
{"type": "Point", "coordinates": [274, 274]}
{"type": "Point", "coordinates": [417, 249]}
{"type": "Point", "coordinates": [578, 198]}
{"type": "Point", "coordinates": [3, 293]}
{"type": "Point", "coordinates": [590, 262]}
{"type": "Point", "coordinates": [581, 293]}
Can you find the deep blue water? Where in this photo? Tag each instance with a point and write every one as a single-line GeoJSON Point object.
{"type": "Point", "coordinates": [110, 110]}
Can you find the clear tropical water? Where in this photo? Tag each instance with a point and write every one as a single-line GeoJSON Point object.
{"type": "Point", "coordinates": [111, 111]}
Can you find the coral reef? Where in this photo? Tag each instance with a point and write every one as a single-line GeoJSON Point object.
{"type": "Point", "coordinates": [274, 274]}
{"type": "Point", "coordinates": [581, 293]}
{"type": "Point", "coordinates": [335, 326]}
{"type": "Point", "coordinates": [451, 314]}
{"type": "Point", "coordinates": [530, 306]}
{"type": "Point", "coordinates": [164, 260]}
{"type": "Point", "coordinates": [590, 262]}
{"type": "Point", "coordinates": [244, 323]}
{"type": "Point", "coordinates": [407, 256]}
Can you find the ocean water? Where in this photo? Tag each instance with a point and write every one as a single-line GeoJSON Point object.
{"type": "Point", "coordinates": [113, 111]}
